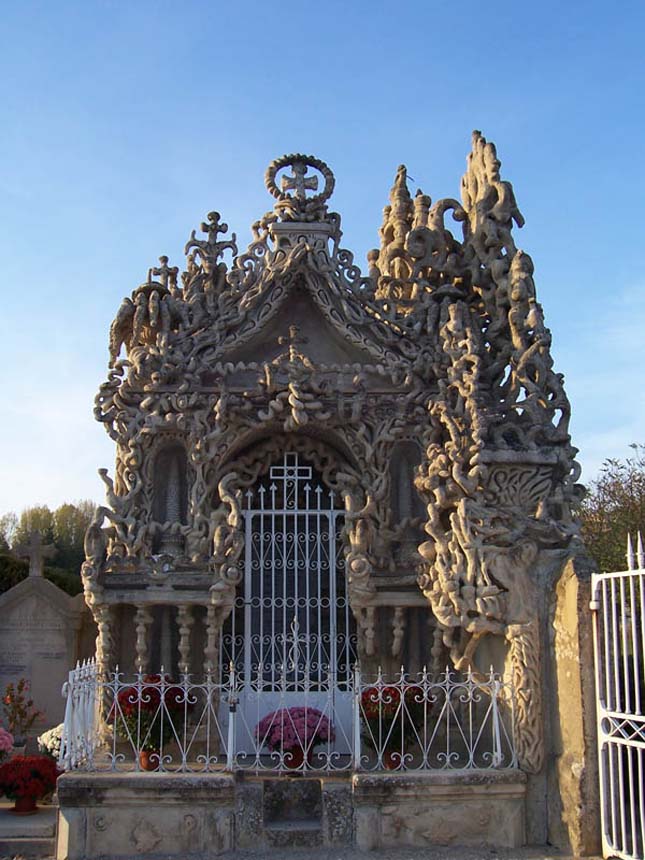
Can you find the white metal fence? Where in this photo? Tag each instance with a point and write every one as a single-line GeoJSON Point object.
{"type": "Point", "coordinates": [408, 723]}
{"type": "Point", "coordinates": [618, 606]}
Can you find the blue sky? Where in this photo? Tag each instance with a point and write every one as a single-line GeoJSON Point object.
{"type": "Point", "coordinates": [123, 123]}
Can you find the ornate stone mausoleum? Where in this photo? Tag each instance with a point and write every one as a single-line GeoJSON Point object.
{"type": "Point", "coordinates": [353, 468]}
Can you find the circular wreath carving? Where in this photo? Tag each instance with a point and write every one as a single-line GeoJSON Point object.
{"type": "Point", "coordinates": [297, 158]}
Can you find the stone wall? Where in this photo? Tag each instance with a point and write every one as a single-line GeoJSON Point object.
{"type": "Point", "coordinates": [183, 816]}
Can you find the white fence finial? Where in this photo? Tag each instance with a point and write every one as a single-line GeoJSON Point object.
{"type": "Point", "coordinates": [630, 553]}
{"type": "Point", "coordinates": [640, 555]}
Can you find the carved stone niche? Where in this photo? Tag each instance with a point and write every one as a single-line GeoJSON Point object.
{"type": "Point", "coordinates": [407, 510]}
{"type": "Point", "coordinates": [169, 497]}
{"type": "Point", "coordinates": [405, 502]}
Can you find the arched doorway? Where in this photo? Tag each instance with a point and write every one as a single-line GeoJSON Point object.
{"type": "Point", "coordinates": [291, 636]}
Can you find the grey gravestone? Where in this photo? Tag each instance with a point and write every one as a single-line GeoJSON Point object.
{"type": "Point", "coordinates": [43, 631]}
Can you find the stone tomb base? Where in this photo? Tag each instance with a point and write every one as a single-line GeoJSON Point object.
{"type": "Point", "coordinates": [478, 808]}
{"type": "Point", "coordinates": [203, 815]}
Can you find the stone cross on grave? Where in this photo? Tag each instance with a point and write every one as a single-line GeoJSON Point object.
{"type": "Point", "coordinates": [36, 552]}
{"type": "Point", "coordinates": [299, 183]}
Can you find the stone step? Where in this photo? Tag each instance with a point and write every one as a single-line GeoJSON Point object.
{"type": "Point", "coordinates": [27, 847]}
{"type": "Point", "coordinates": [27, 835]}
{"type": "Point", "coordinates": [302, 833]}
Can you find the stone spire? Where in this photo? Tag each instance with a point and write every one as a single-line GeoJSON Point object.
{"type": "Point", "coordinates": [398, 218]}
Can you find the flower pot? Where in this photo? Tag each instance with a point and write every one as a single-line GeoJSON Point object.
{"type": "Point", "coordinates": [149, 759]}
{"type": "Point", "coordinates": [294, 759]}
{"type": "Point", "coordinates": [24, 806]}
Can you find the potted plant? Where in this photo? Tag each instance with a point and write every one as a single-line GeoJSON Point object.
{"type": "Point", "coordinates": [144, 715]}
{"type": "Point", "coordinates": [6, 744]}
{"type": "Point", "coordinates": [19, 712]}
{"type": "Point", "coordinates": [25, 779]}
{"type": "Point", "coordinates": [49, 742]}
{"type": "Point", "coordinates": [392, 716]}
{"type": "Point", "coordinates": [293, 733]}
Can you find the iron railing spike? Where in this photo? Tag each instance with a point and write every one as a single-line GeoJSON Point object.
{"type": "Point", "coordinates": [640, 555]}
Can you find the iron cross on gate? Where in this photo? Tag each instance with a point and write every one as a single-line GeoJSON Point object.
{"type": "Point", "coordinates": [299, 183]}
{"type": "Point", "coordinates": [291, 470]}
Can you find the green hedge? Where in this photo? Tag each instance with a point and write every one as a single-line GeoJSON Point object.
{"type": "Point", "coordinates": [13, 571]}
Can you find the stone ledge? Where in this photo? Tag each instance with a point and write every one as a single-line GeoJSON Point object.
{"type": "Point", "coordinates": [370, 788]}
{"type": "Point", "coordinates": [95, 789]}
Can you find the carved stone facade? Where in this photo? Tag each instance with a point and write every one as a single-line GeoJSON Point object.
{"type": "Point", "coordinates": [423, 394]}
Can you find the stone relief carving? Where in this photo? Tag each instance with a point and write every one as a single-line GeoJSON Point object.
{"type": "Point", "coordinates": [145, 837]}
{"type": "Point", "coordinates": [443, 342]}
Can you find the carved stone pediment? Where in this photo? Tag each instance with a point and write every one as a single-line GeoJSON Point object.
{"type": "Point", "coordinates": [320, 340]}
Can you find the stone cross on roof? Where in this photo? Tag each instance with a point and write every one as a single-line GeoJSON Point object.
{"type": "Point", "coordinates": [36, 552]}
{"type": "Point", "coordinates": [167, 274]}
{"type": "Point", "coordinates": [299, 183]}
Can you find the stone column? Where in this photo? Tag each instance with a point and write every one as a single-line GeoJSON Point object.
{"type": "Point", "coordinates": [185, 621]}
{"type": "Point", "coordinates": [103, 617]}
{"type": "Point", "coordinates": [166, 641]}
{"type": "Point", "coordinates": [211, 623]}
{"type": "Point", "coordinates": [142, 620]}
{"type": "Point", "coordinates": [572, 777]}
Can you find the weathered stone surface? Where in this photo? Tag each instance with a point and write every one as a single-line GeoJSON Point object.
{"type": "Point", "coordinates": [294, 834]}
{"type": "Point", "coordinates": [27, 836]}
{"type": "Point", "coordinates": [440, 809]}
{"type": "Point", "coordinates": [249, 814]}
{"type": "Point", "coordinates": [183, 815]}
{"type": "Point", "coordinates": [574, 803]}
{"type": "Point", "coordinates": [41, 637]}
{"type": "Point", "coordinates": [125, 815]}
{"type": "Point", "coordinates": [338, 812]}
{"type": "Point", "coordinates": [295, 799]}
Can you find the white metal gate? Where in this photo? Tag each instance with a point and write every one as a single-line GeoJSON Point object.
{"type": "Point", "coordinates": [291, 636]}
{"type": "Point", "coordinates": [619, 646]}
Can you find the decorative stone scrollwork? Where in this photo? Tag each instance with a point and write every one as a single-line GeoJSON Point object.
{"type": "Point", "coordinates": [442, 347]}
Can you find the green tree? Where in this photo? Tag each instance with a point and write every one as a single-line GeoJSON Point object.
{"type": "Point", "coordinates": [36, 519]}
{"type": "Point", "coordinates": [70, 522]}
{"type": "Point", "coordinates": [614, 506]}
{"type": "Point", "coordinates": [65, 528]}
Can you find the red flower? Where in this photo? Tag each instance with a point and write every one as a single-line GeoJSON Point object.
{"type": "Point", "coordinates": [28, 776]}
{"type": "Point", "coordinates": [380, 701]}
{"type": "Point", "coordinates": [147, 697]}
{"type": "Point", "coordinates": [139, 717]}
